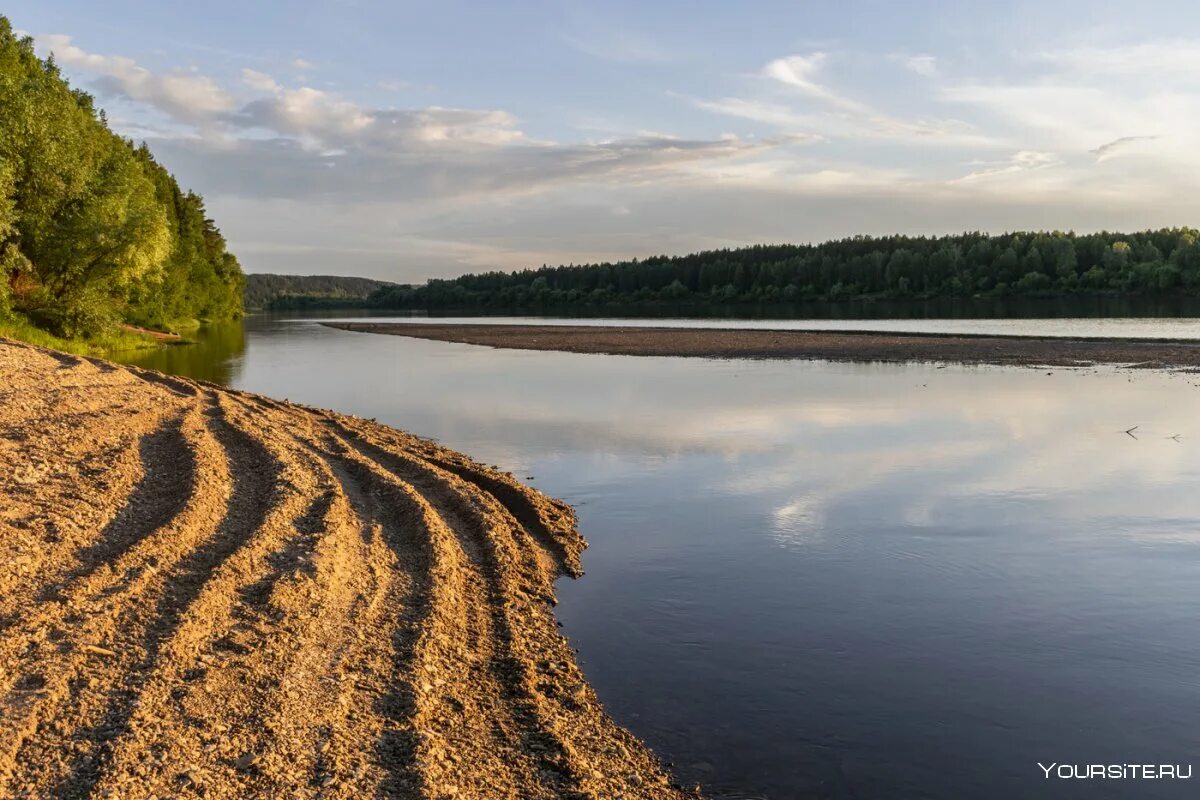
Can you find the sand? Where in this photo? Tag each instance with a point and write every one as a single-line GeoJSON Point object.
{"type": "Point", "coordinates": [816, 345]}
{"type": "Point", "coordinates": [208, 593]}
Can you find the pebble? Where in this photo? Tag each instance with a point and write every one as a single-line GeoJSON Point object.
{"type": "Point", "coordinates": [99, 651]}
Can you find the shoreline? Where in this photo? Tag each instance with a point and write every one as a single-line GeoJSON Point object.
{"type": "Point", "coordinates": [206, 592]}
{"type": "Point", "coordinates": [823, 345]}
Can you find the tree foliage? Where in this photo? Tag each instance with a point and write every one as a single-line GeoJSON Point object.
{"type": "Point", "coordinates": [92, 229]}
{"type": "Point", "coordinates": [268, 291]}
{"type": "Point", "coordinates": [964, 265]}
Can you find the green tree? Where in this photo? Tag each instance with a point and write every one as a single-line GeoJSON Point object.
{"type": "Point", "coordinates": [113, 235]}
{"type": "Point", "coordinates": [922, 267]}
{"type": "Point", "coordinates": [92, 230]}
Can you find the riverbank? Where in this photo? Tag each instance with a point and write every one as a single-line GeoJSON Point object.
{"type": "Point", "coordinates": [793, 344]}
{"type": "Point", "coordinates": [112, 341]}
{"type": "Point", "coordinates": [205, 592]}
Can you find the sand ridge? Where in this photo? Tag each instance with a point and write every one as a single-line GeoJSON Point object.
{"type": "Point", "coordinates": [758, 343]}
{"type": "Point", "coordinates": [208, 593]}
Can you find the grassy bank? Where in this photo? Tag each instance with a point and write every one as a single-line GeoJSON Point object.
{"type": "Point", "coordinates": [106, 343]}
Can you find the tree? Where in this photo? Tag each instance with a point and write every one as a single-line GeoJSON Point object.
{"type": "Point", "coordinates": [1065, 261]}
{"type": "Point", "coordinates": [675, 290]}
{"type": "Point", "coordinates": [92, 229]}
{"type": "Point", "coordinates": [8, 251]}
{"type": "Point", "coordinates": [965, 264]}
{"type": "Point", "coordinates": [114, 235]}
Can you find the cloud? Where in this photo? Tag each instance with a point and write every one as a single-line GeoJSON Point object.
{"type": "Point", "coordinates": [779, 173]}
{"type": "Point", "coordinates": [837, 115]}
{"type": "Point", "coordinates": [183, 95]}
{"type": "Point", "coordinates": [323, 119]}
{"type": "Point", "coordinates": [259, 80]}
{"type": "Point", "coordinates": [776, 114]}
{"type": "Point", "coordinates": [800, 72]}
{"type": "Point", "coordinates": [305, 142]}
{"type": "Point", "coordinates": [1071, 98]}
{"type": "Point", "coordinates": [307, 113]}
{"type": "Point", "coordinates": [1044, 107]}
{"type": "Point", "coordinates": [401, 167]}
{"type": "Point", "coordinates": [301, 176]}
{"type": "Point", "coordinates": [1157, 59]}
{"type": "Point", "coordinates": [450, 126]}
{"type": "Point", "coordinates": [1021, 161]}
{"type": "Point", "coordinates": [301, 64]}
{"type": "Point", "coordinates": [922, 65]}
{"type": "Point", "coordinates": [1110, 149]}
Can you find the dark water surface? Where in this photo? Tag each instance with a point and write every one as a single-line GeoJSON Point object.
{"type": "Point", "coordinates": [833, 580]}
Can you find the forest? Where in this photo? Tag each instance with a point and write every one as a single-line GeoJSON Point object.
{"type": "Point", "coordinates": [93, 231]}
{"type": "Point", "coordinates": [265, 290]}
{"type": "Point", "coordinates": [1033, 264]}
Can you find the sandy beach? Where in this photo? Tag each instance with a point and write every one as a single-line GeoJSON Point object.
{"type": "Point", "coordinates": [205, 592]}
{"type": "Point", "coordinates": [792, 344]}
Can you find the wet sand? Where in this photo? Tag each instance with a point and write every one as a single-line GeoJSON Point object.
{"type": "Point", "coordinates": [816, 345]}
{"type": "Point", "coordinates": [209, 593]}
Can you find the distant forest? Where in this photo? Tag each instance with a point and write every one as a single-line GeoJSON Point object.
{"type": "Point", "coordinates": [93, 231]}
{"type": "Point", "coordinates": [1041, 264]}
{"type": "Point", "coordinates": [267, 291]}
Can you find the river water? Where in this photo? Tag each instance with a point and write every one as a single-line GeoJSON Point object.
{"type": "Point", "coordinates": [1123, 328]}
{"type": "Point", "coordinates": [832, 580]}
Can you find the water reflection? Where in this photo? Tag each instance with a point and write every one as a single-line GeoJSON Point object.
{"type": "Point", "coordinates": [838, 580]}
{"type": "Point", "coordinates": [215, 356]}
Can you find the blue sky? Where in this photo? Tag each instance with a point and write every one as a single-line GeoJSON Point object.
{"type": "Point", "coordinates": [407, 140]}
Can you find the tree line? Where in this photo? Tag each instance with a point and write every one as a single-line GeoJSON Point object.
{"type": "Point", "coordinates": [93, 230]}
{"type": "Point", "coordinates": [1020, 264]}
{"type": "Point", "coordinates": [265, 290]}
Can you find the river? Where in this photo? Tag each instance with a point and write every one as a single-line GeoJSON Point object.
{"type": "Point", "coordinates": [832, 580]}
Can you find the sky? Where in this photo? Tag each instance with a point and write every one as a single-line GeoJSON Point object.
{"type": "Point", "coordinates": [409, 140]}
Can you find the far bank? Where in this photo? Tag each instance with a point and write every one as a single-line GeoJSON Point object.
{"type": "Point", "coordinates": [811, 345]}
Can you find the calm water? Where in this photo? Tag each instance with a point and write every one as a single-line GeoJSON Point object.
{"type": "Point", "coordinates": [1127, 327]}
{"type": "Point", "coordinates": [834, 580]}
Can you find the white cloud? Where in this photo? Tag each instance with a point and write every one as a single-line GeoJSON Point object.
{"type": "Point", "coordinates": [1068, 116]}
{"type": "Point", "coordinates": [1160, 59]}
{"type": "Point", "coordinates": [776, 114]}
{"type": "Point", "coordinates": [307, 142]}
{"type": "Point", "coordinates": [307, 113]}
{"type": "Point", "coordinates": [1021, 161]}
{"type": "Point", "coordinates": [1041, 144]}
{"type": "Point", "coordinates": [922, 65]}
{"type": "Point", "coordinates": [1122, 97]}
{"type": "Point", "coordinates": [800, 71]}
{"type": "Point", "coordinates": [183, 95]}
{"type": "Point", "coordinates": [385, 165]}
{"type": "Point", "coordinates": [458, 125]}
{"type": "Point", "coordinates": [836, 115]}
{"type": "Point", "coordinates": [259, 80]}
